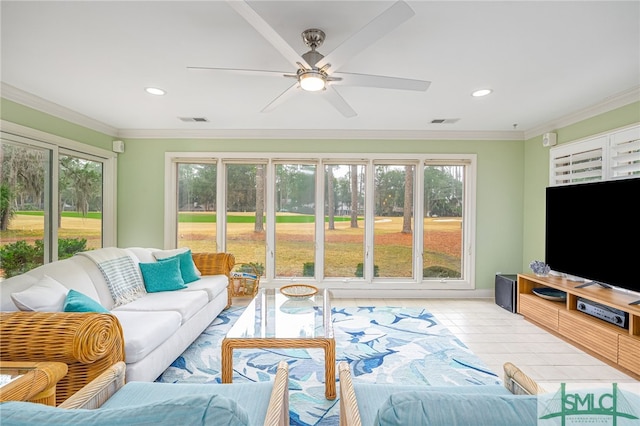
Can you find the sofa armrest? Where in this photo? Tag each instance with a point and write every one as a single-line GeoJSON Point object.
{"type": "Point", "coordinates": [215, 264]}
{"type": "Point", "coordinates": [89, 343]}
{"type": "Point", "coordinates": [349, 414]}
{"type": "Point", "coordinates": [518, 383]}
{"type": "Point", "coordinates": [278, 411]}
{"type": "Point", "coordinates": [96, 392]}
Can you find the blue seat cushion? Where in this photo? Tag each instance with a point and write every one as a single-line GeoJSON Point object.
{"type": "Point", "coordinates": [253, 398]}
{"type": "Point", "coordinates": [372, 396]}
{"type": "Point", "coordinates": [181, 410]}
{"type": "Point", "coordinates": [450, 409]}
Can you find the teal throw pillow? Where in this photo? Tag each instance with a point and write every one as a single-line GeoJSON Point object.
{"type": "Point", "coordinates": [186, 410]}
{"type": "Point", "coordinates": [162, 276]}
{"type": "Point", "coordinates": [79, 302]}
{"type": "Point", "coordinates": [187, 267]}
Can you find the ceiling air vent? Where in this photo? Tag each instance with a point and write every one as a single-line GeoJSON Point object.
{"type": "Point", "coordinates": [444, 120]}
{"type": "Point", "coordinates": [194, 119]}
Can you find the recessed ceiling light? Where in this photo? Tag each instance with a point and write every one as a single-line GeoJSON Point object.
{"type": "Point", "coordinates": [481, 92]}
{"type": "Point", "coordinates": [154, 91]}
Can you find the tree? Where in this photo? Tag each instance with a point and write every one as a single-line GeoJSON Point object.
{"type": "Point", "coordinates": [259, 225]}
{"type": "Point", "coordinates": [330, 198]}
{"type": "Point", "coordinates": [408, 200]}
{"type": "Point", "coordinates": [84, 179]}
{"type": "Point", "coordinates": [354, 196]}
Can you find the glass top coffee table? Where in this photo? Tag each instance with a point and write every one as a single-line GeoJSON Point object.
{"type": "Point", "coordinates": [273, 320]}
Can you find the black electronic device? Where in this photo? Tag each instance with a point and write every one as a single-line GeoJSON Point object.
{"type": "Point", "coordinates": [505, 291]}
{"type": "Point", "coordinates": [592, 230]}
{"type": "Point", "coordinates": [606, 313]}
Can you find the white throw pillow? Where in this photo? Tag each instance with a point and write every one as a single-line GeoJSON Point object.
{"type": "Point", "coordinates": [163, 254]}
{"type": "Point", "coordinates": [46, 295]}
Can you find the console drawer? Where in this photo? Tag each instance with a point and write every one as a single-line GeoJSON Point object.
{"type": "Point", "coordinates": [629, 352]}
{"type": "Point", "coordinates": [539, 310]}
{"type": "Point", "coordinates": [587, 332]}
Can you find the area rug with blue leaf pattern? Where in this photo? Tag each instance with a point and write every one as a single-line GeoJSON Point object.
{"type": "Point", "coordinates": [381, 344]}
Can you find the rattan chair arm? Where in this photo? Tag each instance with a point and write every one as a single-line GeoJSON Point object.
{"type": "Point", "coordinates": [100, 389]}
{"type": "Point", "coordinates": [278, 410]}
{"type": "Point", "coordinates": [349, 413]}
{"type": "Point", "coordinates": [89, 343]}
{"type": "Point", "coordinates": [518, 383]}
{"type": "Point", "coordinates": [214, 263]}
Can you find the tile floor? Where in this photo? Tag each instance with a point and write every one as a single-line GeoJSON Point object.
{"type": "Point", "coordinates": [497, 336]}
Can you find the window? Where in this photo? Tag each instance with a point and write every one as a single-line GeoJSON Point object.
{"type": "Point", "coordinates": [57, 197]}
{"type": "Point", "coordinates": [611, 155]}
{"type": "Point", "coordinates": [342, 222]}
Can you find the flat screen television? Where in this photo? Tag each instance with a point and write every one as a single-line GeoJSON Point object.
{"type": "Point", "coordinates": [593, 232]}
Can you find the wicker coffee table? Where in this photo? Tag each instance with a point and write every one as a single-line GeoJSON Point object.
{"type": "Point", "coordinates": [273, 320]}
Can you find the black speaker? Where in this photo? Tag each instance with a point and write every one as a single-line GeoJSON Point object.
{"type": "Point", "coordinates": [505, 291]}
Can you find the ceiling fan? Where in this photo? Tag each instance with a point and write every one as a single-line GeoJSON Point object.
{"type": "Point", "coordinates": [316, 72]}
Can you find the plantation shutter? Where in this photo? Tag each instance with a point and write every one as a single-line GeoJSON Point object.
{"type": "Point", "coordinates": [625, 153]}
{"type": "Point", "coordinates": [608, 156]}
{"type": "Point", "coordinates": [578, 163]}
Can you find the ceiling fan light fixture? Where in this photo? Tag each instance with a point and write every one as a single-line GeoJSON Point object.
{"type": "Point", "coordinates": [155, 91]}
{"type": "Point", "coordinates": [312, 81]}
{"type": "Point", "coordinates": [481, 92]}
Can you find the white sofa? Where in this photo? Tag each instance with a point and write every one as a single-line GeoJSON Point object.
{"type": "Point", "coordinates": [157, 327]}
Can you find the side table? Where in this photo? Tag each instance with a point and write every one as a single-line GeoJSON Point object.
{"type": "Point", "coordinates": [31, 381]}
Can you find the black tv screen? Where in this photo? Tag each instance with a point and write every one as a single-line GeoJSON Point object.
{"type": "Point", "coordinates": [593, 231]}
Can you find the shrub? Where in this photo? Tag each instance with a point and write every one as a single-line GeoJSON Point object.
{"type": "Point", "coordinates": [440, 272]}
{"type": "Point", "coordinates": [308, 269]}
{"type": "Point", "coordinates": [20, 257]}
{"type": "Point", "coordinates": [360, 273]}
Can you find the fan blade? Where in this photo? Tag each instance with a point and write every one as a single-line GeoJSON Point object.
{"type": "Point", "coordinates": [373, 31]}
{"type": "Point", "coordinates": [383, 82]}
{"type": "Point", "coordinates": [244, 71]}
{"type": "Point", "coordinates": [338, 102]}
{"type": "Point", "coordinates": [260, 25]}
{"type": "Point", "coordinates": [282, 97]}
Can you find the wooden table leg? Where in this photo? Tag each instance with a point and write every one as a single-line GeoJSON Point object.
{"type": "Point", "coordinates": [330, 369]}
{"type": "Point", "coordinates": [227, 361]}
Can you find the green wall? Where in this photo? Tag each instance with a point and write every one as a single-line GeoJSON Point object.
{"type": "Point", "coordinates": [536, 173]}
{"type": "Point", "coordinates": [511, 178]}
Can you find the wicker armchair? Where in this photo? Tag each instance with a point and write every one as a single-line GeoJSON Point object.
{"type": "Point", "coordinates": [215, 264]}
{"type": "Point", "coordinates": [96, 393]}
{"type": "Point", "coordinates": [89, 343]}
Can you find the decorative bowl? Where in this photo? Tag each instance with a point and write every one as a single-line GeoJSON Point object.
{"type": "Point", "coordinates": [550, 294]}
{"type": "Point", "coordinates": [299, 291]}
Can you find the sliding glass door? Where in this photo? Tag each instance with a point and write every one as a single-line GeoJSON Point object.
{"type": "Point", "coordinates": [348, 221]}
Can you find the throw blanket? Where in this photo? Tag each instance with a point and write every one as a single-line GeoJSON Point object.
{"type": "Point", "coordinates": [120, 272]}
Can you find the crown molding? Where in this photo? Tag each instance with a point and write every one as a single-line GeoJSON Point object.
{"type": "Point", "coordinates": [608, 104]}
{"type": "Point", "coordinates": [321, 134]}
{"type": "Point", "coordinates": [32, 101]}
{"type": "Point", "coordinates": [40, 104]}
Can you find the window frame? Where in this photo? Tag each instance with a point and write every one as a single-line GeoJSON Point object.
{"type": "Point", "coordinates": [469, 161]}
{"type": "Point", "coordinates": [57, 146]}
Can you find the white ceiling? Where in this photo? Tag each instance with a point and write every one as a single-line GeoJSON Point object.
{"type": "Point", "coordinates": [545, 61]}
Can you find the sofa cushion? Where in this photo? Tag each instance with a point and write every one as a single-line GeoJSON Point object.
{"type": "Point", "coordinates": [451, 408]}
{"type": "Point", "coordinates": [162, 276]}
{"type": "Point", "coordinates": [185, 410]}
{"type": "Point", "coordinates": [186, 303]}
{"type": "Point", "coordinates": [46, 295]}
{"type": "Point", "coordinates": [188, 269]}
{"type": "Point", "coordinates": [252, 397]}
{"type": "Point", "coordinates": [145, 331]}
{"type": "Point", "coordinates": [212, 284]}
{"type": "Point", "coordinates": [78, 302]}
